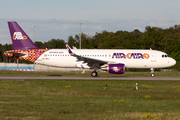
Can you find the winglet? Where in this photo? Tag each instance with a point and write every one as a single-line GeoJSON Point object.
{"type": "Point", "coordinates": [68, 48]}
{"type": "Point", "coordinates": [74, 48]}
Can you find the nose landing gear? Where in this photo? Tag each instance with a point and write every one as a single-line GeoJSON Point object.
{"type": "Point", "coordinates": [152, 72]}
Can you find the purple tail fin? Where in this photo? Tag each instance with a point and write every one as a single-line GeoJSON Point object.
{"type": "Point", "coordinates": [19, 38]}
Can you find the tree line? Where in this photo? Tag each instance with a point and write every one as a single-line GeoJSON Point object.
{"type": "Point", "coordinates": [166, 40]}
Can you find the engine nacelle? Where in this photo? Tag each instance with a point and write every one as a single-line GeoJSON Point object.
{"type": "Point", "coordinates": [114, 68]}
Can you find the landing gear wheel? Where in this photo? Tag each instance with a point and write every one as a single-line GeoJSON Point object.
{"type": "Point", "coordinates": [152, 75]}
{"type": "Point", "coordinates": [94, 74]}
{"type": "Point", "coordinates": [152, 72]}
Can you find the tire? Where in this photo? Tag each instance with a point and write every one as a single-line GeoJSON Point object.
{"type": "Point", "coordinates": [152, 75]}
{"type": "Point", "coordinates": [94, 74]}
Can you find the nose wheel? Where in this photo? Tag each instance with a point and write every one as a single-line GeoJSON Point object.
{"type": "Point", "coordinates": [94, 74]}
{"type": "Point", "coordinates": [152, 74]}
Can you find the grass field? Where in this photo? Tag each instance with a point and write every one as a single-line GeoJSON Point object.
{"type": "Point", "coordinates": [76, 99]}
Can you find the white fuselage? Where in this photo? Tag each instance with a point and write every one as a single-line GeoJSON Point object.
{"type": "Point", "coordinates": [131, 58]}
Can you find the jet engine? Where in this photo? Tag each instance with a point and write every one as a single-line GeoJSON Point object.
{"type": "Point", "coordinates": [114, 68]}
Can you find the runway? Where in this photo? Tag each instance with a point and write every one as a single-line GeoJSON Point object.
{"type": "Point", "coordinates": [21, 78]}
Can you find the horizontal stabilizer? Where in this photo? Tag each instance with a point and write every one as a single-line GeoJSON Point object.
{"type": "Point", "coordinates": [18, 54]}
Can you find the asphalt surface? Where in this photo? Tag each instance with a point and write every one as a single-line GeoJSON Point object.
{"type": "Point", "coordinates": [21, 78]}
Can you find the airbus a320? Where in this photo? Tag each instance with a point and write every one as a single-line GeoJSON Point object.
{"type": "Point", "coordinates": [112, 60]}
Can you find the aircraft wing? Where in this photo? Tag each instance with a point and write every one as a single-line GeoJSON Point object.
{"type": "Point", "coordinates": [89, 61]}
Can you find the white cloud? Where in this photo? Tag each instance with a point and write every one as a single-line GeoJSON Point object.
{"type": "Point", "coordinates": [65, 26]}
{"type": "Point", "coordinates": [98, 27]}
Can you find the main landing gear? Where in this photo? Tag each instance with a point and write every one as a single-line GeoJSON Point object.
{"type": "Point", "coordinates": [152, 72]}
{"type": "Point", "coordinates": [94, 74]}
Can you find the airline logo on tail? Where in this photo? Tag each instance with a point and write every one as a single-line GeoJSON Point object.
{"type": "Point", "coordinates": [18, 36]}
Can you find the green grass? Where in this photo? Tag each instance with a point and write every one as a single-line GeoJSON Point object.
{"type": "Point", "coordinates": [88, 73]}
{"type": "Point", "coordinates": [76, 99]}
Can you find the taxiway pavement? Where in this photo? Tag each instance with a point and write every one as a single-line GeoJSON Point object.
{"type": "Point", "coordinates": [21, 78]}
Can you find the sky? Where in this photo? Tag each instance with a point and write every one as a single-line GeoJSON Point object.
{"type": "Point", "coordinates": [59, 19]}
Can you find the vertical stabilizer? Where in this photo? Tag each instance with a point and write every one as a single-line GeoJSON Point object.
{"type": "Point", "coordinates": [19, 38]}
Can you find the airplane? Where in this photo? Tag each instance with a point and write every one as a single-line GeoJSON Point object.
{"type": "Point", "coordinates": [112, 60]}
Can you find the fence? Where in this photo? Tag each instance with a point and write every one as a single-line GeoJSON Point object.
{"type": "Point", "coordinates": [14, 66]}
{"type": "Point", "coordinates": [32, 67]}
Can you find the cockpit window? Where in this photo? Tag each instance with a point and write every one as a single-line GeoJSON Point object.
{"type": "Point", "coordinates": [164, 56]}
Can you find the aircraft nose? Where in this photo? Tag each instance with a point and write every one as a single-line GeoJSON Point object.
{"type": "Point", "coordinates": [173, 61]}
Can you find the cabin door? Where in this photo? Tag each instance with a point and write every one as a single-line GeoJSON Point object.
{"type": "Point", "coordinates": [153, 56]}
